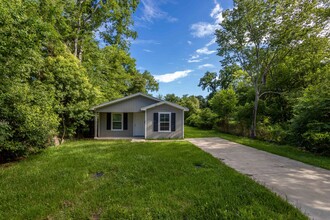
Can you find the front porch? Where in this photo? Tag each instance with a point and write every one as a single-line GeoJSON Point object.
{"type": "Point", "coordinates": [119, 125]}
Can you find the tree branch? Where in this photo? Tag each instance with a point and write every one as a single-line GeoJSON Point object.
{"type": "Point", "coordinates": [267, 92]}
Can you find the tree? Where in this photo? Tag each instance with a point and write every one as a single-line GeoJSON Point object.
{"type": "Point", "coordinates": [311, 122]}
{"type": "Point", "coordinates": [210, 82]}
{"type": "Point", "coordinates": [74, 94]}
{"type": "Point", "coordinates": [172, 98]}
{"type": "Point", "coordinates": [190, 102]}
{"type": "Point", "coordinates": [224, 103]}
{"type": "Point", "coordinates": [257, 35]}
{"type": "Point", "coordinates": [80, 19]}
{"type": "Point", "coordinates": [143, 82]}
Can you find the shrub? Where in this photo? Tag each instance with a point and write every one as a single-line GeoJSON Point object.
{"type": "Point", "coordinates": [310, 126]}
{"type": "Point", "coordinates": [204, 119]}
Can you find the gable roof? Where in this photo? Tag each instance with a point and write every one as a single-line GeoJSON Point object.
{"type": "Point", "coordinates": [165, 103]}
{"type": "Point", "coordinates": [124, 98]}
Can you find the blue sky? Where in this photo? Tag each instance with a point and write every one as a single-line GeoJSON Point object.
{"type": "Point", "coordinates": [176, 42]}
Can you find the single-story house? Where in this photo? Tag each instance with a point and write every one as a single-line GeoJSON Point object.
{"type": "Point", "coordinates": [139, 115]}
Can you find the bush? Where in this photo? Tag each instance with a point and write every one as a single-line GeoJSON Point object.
{"type": "Point", "coordinates": [310, 126]}
{"type": "Point", "coordinates": [204, 119]}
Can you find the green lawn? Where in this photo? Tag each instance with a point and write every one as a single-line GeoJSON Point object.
{"type": "Point", "coordinates": [168, 180]}
{"type": "Point", "coordinates": [282, 150]}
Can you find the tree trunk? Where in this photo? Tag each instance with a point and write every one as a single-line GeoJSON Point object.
{"type": "Point", "coordinates": [76, 40]}
{"type": "Point", "coordinates": [76, 46]}
{"type": "Point", "coordinates": [253, 132]}
{"type": "Point", "coordinates": [80, 50]}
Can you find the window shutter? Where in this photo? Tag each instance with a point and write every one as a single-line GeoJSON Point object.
{"type": "Point", "coordinates": [173, 121]}
{"type": "Point", "coordinates": [109, 121]}
{"type": "Point", "coordinates": [125, 121]}
{"type": "Point", "coordinates": [156, 121]}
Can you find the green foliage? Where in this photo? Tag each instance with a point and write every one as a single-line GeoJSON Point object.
{"type": "Point", "coordinates": [190, 102]}
{"type": "Point", "coordinates": [204, 119]}
{"type": "Point", "coordinates": [311, 121]}
{"type": "Point", "coordinates": [52, 69]}
{"type": "Point", "coordinates": [74, 94]}
{"type": "Point", "coordinates": [256, 36]}
{"type": "Point", "coordinates": [224, 103]}
{"type": "Point", "coordinates": [172, 98]}
{"type": "Point", "coordinates": [210, 82]}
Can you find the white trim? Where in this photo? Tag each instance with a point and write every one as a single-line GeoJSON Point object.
{"type": "Point", "coordinates": [169, 126]}
{"type": "Point", "coordinates": [145, 124]}
{"type": "Point", "coordinates": [164, 103]}
{"type": "Point", "coordinates": [124, 98]}
{"type": "Point", "coordinates": [122, 121]}
{"type": "Point", "coordinates": [95, 125]}
{"type": "Point", "coordinates": [99, 124]}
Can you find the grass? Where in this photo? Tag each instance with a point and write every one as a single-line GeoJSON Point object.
{"type": "Point", "coordinates": [282, 150]}
{"type": "Point", "coordinates": [124, 180]}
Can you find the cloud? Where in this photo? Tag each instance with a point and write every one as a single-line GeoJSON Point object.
{"type": "Point", "coordinates": [189, 42]}
{"type": "Point", "coordinates": [207, 65]}
{"type": "Point", "coordinates": [216, 13]}
{"type": "Point", "coordinates": [203, 29]}
{"type": "Point", "coordinates": [138, 41]}
{"type": "Point", "coordinates": [170, 77]}
{"type": "Point", "coordinates": [211, 42]}
{"type": "Point", "coordinates": [151, 11]}
{"type": "Point", "coordinates": [146, 50]}
{"type": "Point", "coordinates": [195, 61]}
{"type": "Point", "coordinates": [205, 50]}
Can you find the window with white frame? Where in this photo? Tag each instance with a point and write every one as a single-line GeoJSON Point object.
{"type": "Point", "coordinates": [164, 121]}
{"type": "Point", "coordinates": [117, 121]}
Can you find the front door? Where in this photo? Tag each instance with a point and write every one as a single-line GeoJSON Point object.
{"type": "Point", "coordinates": [138, 124]}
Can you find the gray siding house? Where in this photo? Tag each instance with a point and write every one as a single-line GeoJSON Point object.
{"type": "Point", "coordinates": [139, 115]}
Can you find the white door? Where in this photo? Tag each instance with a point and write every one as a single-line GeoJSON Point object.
{"type": "Point", "coordinates": [138, 124]}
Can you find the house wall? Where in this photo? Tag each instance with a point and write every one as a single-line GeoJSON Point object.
{"type": "Point", "coordinates": [178, 133]}
{"type": "Point", "coordinates": [130, 105]}
{"type": "Point", "coordinates": [108, 133]}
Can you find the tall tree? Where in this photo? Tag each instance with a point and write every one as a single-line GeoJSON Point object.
{"type": "Point", "coordinates": [257, 35]}
{"type": "Point", "coordinates": [210, 82]}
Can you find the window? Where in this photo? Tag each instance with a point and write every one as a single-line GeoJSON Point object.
{"type": "Point", "coordinates": [164, 121]}
{"type": "Point", "coordinates": [117, 121]}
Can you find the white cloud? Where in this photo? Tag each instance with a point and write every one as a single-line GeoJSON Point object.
{"type": "Point", "coordinates": [146, 50]}
{"type": "Point", "coordinates": [170, 77]}
{"type": "Point", "coordinates": [205, 50]}
{"type": "Point", "coordinates": [203, 29]}
{"type": "Point", "coordinates": [151, 11]}
{"type": "Point", "coordinates": [211, 42]}
{"type": "Point", "coordinates": [194, 56]}
{"type": "Point", "coordinates": [216, 13]}
{"type": "Point", "coordinates": [189, 42]}
{"type": "Point", "coordinates": [207, 65]}
{"type": "Point", "coordinates": [195, 61]}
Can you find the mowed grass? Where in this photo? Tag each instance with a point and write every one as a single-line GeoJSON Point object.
{"type": "Point", "coordinates": [168, 180]}
{"type": "Point", "coordinates": [282, 150]}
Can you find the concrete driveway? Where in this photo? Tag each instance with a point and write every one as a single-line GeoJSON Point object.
{"type": "Point", "coordinates": [305, 186]}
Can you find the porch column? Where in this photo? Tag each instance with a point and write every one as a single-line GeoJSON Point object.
{"type": "Point", "coordinates": [95, 125]}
